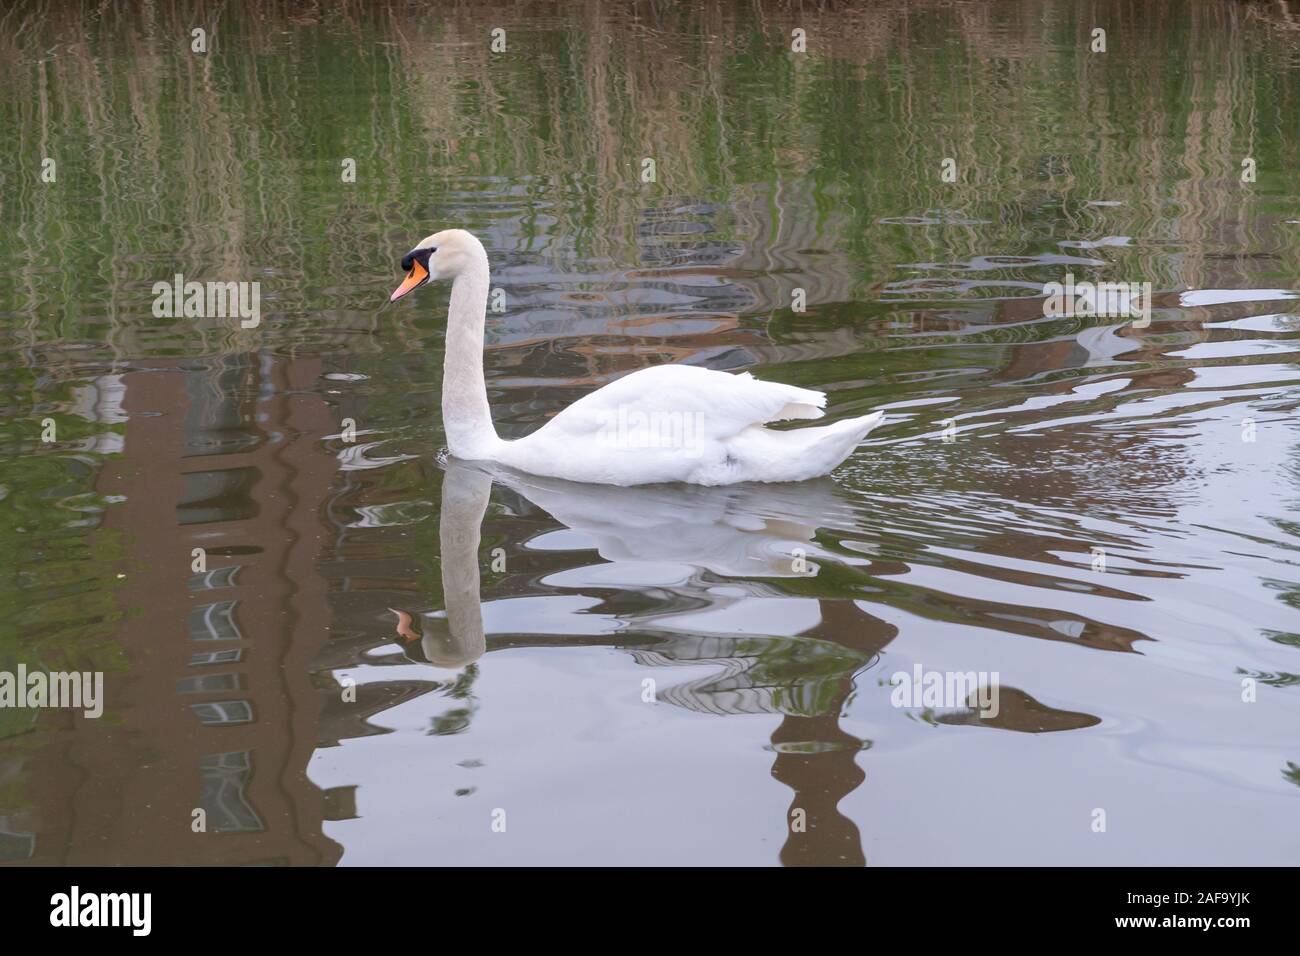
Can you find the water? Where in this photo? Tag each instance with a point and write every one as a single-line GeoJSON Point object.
{"type": "Point", "coordinates": [1114, 529]}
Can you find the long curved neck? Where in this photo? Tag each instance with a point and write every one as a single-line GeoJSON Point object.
{"type": "Point", "coordinates": [466, 416]}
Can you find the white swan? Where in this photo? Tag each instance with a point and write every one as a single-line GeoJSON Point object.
{"type": "Point", "coordinates": [662, 424]}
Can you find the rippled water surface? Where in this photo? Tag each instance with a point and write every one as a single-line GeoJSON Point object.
{"type": "Point", "coordinates": [389, 653]}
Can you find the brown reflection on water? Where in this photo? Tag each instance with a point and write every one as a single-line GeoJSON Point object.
{"type": "Point", "coordinates": [218, 711]}
{"type": "Point", "coordinates": [817, 759]}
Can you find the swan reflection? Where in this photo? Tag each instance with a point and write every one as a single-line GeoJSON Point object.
{"type": "Point", "coordinates": [681, 554]}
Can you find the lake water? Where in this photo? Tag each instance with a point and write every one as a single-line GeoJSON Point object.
{"type": "Point", "coordinates": [382, 656]}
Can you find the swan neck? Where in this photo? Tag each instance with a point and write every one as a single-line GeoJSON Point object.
{"type": "Point", "coordinates": [466, 416]}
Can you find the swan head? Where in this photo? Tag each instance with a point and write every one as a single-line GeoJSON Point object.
{"type": "Point", "coordinates": [444, 255]}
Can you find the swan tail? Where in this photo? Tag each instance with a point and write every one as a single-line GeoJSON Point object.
{"type": "Point", "coordinates": [803, 453]}
{"type": "Point", "coordinates": [836, 442]}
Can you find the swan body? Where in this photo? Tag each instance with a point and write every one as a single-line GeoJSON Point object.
{"type": "Point", "coordinates": [669, 423]}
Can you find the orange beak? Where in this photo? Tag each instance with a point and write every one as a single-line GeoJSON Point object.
{"type": "Point", "coordinates": [417, 277]}
{"type": "Point", "coordinates": [404, 629]}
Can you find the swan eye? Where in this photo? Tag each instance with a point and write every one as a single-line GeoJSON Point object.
{"type": "Point", "coordinates": [418, 255]}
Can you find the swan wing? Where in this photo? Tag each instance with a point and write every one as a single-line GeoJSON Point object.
{"type": "Point", "coordinates": [708, 404]}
